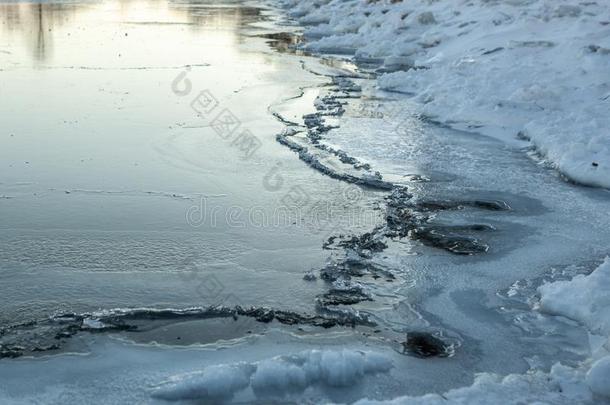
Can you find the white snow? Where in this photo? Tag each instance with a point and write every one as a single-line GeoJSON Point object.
{"type": "Point", "coordinates": [218, 382]}
{"type": "Point", "coordinates": [537, 68]}
{"type": "Point", "coordinates": [274, 376]}
{"type": "Point", "coordinates": [90, 323]}
{"type": "Point", "coordinates": [585, 299]}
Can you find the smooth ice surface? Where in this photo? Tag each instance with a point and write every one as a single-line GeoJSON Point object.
{"type": "Point", "coordinates": [115, 193]}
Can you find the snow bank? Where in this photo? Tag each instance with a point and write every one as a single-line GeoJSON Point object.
{"type": "Point", "coordinates": [537, 69]}
{"type": "Point", "coordinates": [276, 376]}
{"type": "Point", "coordinates": [585, 299]}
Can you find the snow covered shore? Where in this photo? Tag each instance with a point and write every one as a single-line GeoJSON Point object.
{"type": "Point", "coordinates": [536, 70]}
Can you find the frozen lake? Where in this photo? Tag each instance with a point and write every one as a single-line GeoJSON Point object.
{"type": "Point", "coordinates": [142, 182]}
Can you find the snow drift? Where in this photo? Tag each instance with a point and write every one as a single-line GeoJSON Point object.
{"type": "Point", "coordinates": [538, 70]}
{"type": "Point", "coordinates": [276, 376]}
{"type": "Point", "coordinates": [586, 299]}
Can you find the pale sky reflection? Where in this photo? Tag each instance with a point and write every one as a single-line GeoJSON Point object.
{"type": "Point", "coordinates": [115, 33]}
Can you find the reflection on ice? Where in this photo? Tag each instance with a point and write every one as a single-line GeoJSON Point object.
{"type": "Point", "coordinates": [43, 33]}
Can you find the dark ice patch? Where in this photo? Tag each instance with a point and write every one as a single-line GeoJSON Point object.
{"type": "Point", "coordinates": [460, 245]}
{"type": "Point", "coordinates": [489, 52]}
{"type": "Point", "coordinates": [348, 296]}
{"type": "Point", "coordinates": [424, 345]}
